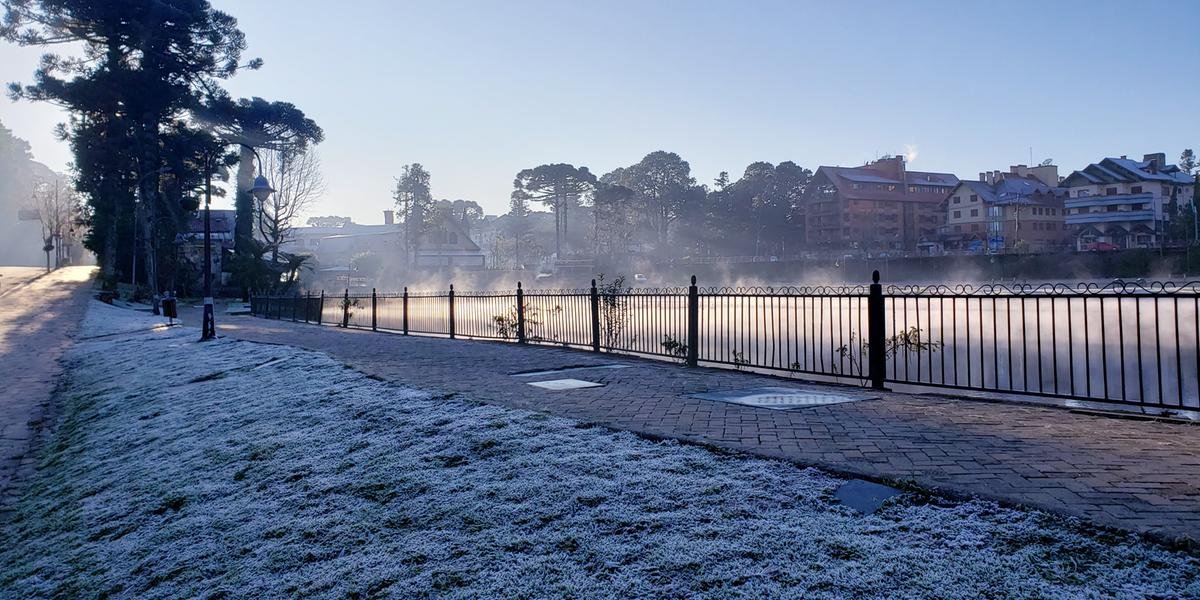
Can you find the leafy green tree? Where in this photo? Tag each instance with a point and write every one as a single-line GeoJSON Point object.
{"type": "Point", "coordinates": [329, 221]}
{"type": "Point", "coordinates": [665, 184]}
{"type": "Point", "coordinates": [559, 186]}
{"type": "Point", "coordinates": [257, 124]}
{"type": "Point", "coordinates": [367, 264]}
{"type": "Point", "coordinates": [615, 211]}
{"type": "Point", "coordinates": [1187, 160]}
{"type": "Point", "coordinates": [466, 212]}
{"type": "Point", "coordinates": [144, 65]}
{"type": "Point", "coordinates": [414, 204]}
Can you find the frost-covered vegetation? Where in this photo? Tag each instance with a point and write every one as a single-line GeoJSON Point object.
{"type": "Point", "coordinates": [245, 470]}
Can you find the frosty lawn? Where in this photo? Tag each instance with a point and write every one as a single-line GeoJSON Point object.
{"type": "Point", "coordinates": [239, 469]}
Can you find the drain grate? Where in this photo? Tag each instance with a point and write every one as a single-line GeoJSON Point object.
{"type": "Point", "coordinates": [781, 398]}
{"type": "Point", "coordinates": [565, 384]}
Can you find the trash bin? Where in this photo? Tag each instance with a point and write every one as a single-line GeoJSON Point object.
{"type": "Point", "coordinates": [170, 308]}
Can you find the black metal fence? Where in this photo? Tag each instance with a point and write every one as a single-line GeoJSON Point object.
{"type": "Point", "coordinates": [1124, 342]}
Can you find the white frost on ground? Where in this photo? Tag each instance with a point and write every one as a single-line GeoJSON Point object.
{"type": "Point", "coordinates": [248, 470]}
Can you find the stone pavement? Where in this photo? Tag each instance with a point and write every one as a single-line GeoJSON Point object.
{"type": "Point", "coordinates": [1133, 474]}
{"type": "Point", "coordinates": [36, 324]}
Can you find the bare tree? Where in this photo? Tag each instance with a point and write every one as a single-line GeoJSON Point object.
{"type": "Point", "coordinates": [58, 209]}
{"type": "Point", "coordinates": [297, 179]}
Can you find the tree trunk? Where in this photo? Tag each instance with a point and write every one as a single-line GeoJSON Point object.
{"type": "Point", "coordinates": [108, 266]}
{"type": "Point", "coordinates": [244, 203]}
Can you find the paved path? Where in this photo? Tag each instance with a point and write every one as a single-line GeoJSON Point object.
{"type": "Point", "coordinates": [36, 324]}
{"type": "Point", "coordinates": [1139, 475]}
{"type": "Point", "coordinates": [14, 278]}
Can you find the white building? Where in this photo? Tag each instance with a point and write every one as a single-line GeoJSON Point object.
{"type": "Point", "coordinates": [1121, 203]}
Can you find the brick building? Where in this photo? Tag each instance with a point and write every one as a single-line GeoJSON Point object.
{"type": "Point", "coordinates": [880, 206]}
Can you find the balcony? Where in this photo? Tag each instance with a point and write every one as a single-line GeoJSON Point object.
{"type": "Point", "coordinates": [1108, 216]}
{"type": "Point", "coordinates": [1086, 201]}
{"type": "Point", "coordinates": [1111, 217]}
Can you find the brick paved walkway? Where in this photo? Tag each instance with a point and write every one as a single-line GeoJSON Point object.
{"type": "Point", "coordinates": [36, 324]}
{"type": "Point", "coordinates": [1139, 475]}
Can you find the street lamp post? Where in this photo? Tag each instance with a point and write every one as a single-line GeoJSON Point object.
{"type": "Point", "coordinates": [208, 330]}
{"type": "Point", "coordinates": [261, 191]}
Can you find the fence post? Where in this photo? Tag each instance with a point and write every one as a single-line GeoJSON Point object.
{"type": "Point", "coordinates": [295, 302]}
{"type": "Point", "coordinates": [267, 309]}
{"type": "Point", "coordinates": [405, 310]}
{"type": "Point", "coordinates": [595, 318]}
{"type": "Point", "coordinates": [693, 320]}
{"type": "Point", "coordinates": [307, 305]}
{"type": "Point", "coordinates": [520, 314]}
{"type": "Point", "coordinates": [321, 308]}
{"type": "Point", "coordinates": [374, 305]}
{"type": "Point", "coordinates": [346, 309]}
{"type": "Point", "coordinates": [451, 297]}
{"type": "Point", "coordinates": [876, 354]}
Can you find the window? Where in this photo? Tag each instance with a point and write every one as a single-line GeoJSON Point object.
{"type": "Point", "coordinates": [974, 198]}
{"type": "Point", "coordinates": [912, 188]}
{"type": "Point", "coordinates": [974, 212]}
{"type": "Point", "coordinates": [974, 227]}
{"type": "Point", "coordinates": [1113, 207]}
{"type": "Point", "coordinates": [854, 186]}
{"type": "Point", "coordinates": [1081, 194]}
{"type": "Point", "coordinates": [1137, 189]}
{"type": "Point", "coordinates": [958, 199]}
{"type": "Point", "coordinates": [958, 214]}
{"type": "Point", "coordinates": [1112, 191]}
{"type": "Point", "coordinates": [958, 229]}
{"type": "Point", "coordinates": [891, 188]}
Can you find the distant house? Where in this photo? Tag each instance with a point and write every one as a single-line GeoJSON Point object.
{"type": "Point", "coordinates": [1121, 203]}
{"type": "Point", "coordinates": [222, 233]}
{"type": "Point", "coordinates": [446, 244]}
{"type": "Point", "coordinates": [878, 206]}
{"type": "Point", "coordinates": [1021, 210]}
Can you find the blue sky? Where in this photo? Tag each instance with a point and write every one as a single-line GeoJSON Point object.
{"type": "Point", "coordinates": [479, 90]}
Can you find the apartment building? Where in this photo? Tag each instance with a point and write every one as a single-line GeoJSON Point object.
{"type": "Point", "coordinates": [1121, 203]}
{"type": "Point", "coordinates": [880, 206]}
{"type": "Point", "coordinates": [1016, 211]}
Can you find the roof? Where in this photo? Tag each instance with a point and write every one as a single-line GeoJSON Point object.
{"type": "Point", "coordinates": [868, 176]}
{"type": "Point", "coordinates": [349, 229]}
{"type": "Point", "coordinates": [1013, 189]}
{"type": "Point", "coordinates": [221, 221]}
{"type": "Point", "coordinates": [1126, 170]}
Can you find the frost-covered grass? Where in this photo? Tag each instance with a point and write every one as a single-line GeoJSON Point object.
{"type": "Point", "coordinates": [248, 470]}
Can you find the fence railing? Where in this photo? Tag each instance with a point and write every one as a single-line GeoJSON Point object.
{"type": "Point", "coordinates": [1125, 342]}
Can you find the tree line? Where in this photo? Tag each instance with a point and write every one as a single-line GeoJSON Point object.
{"type": "Point", "coordinates": [656, 207]}
{"type": "Point", "coordinates": [150, 127]}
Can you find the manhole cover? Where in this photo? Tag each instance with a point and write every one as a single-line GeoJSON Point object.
{"type": "Point", "coordinates": [780, 398]}
{"type": "Point", "coordinates": [565, 384]}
